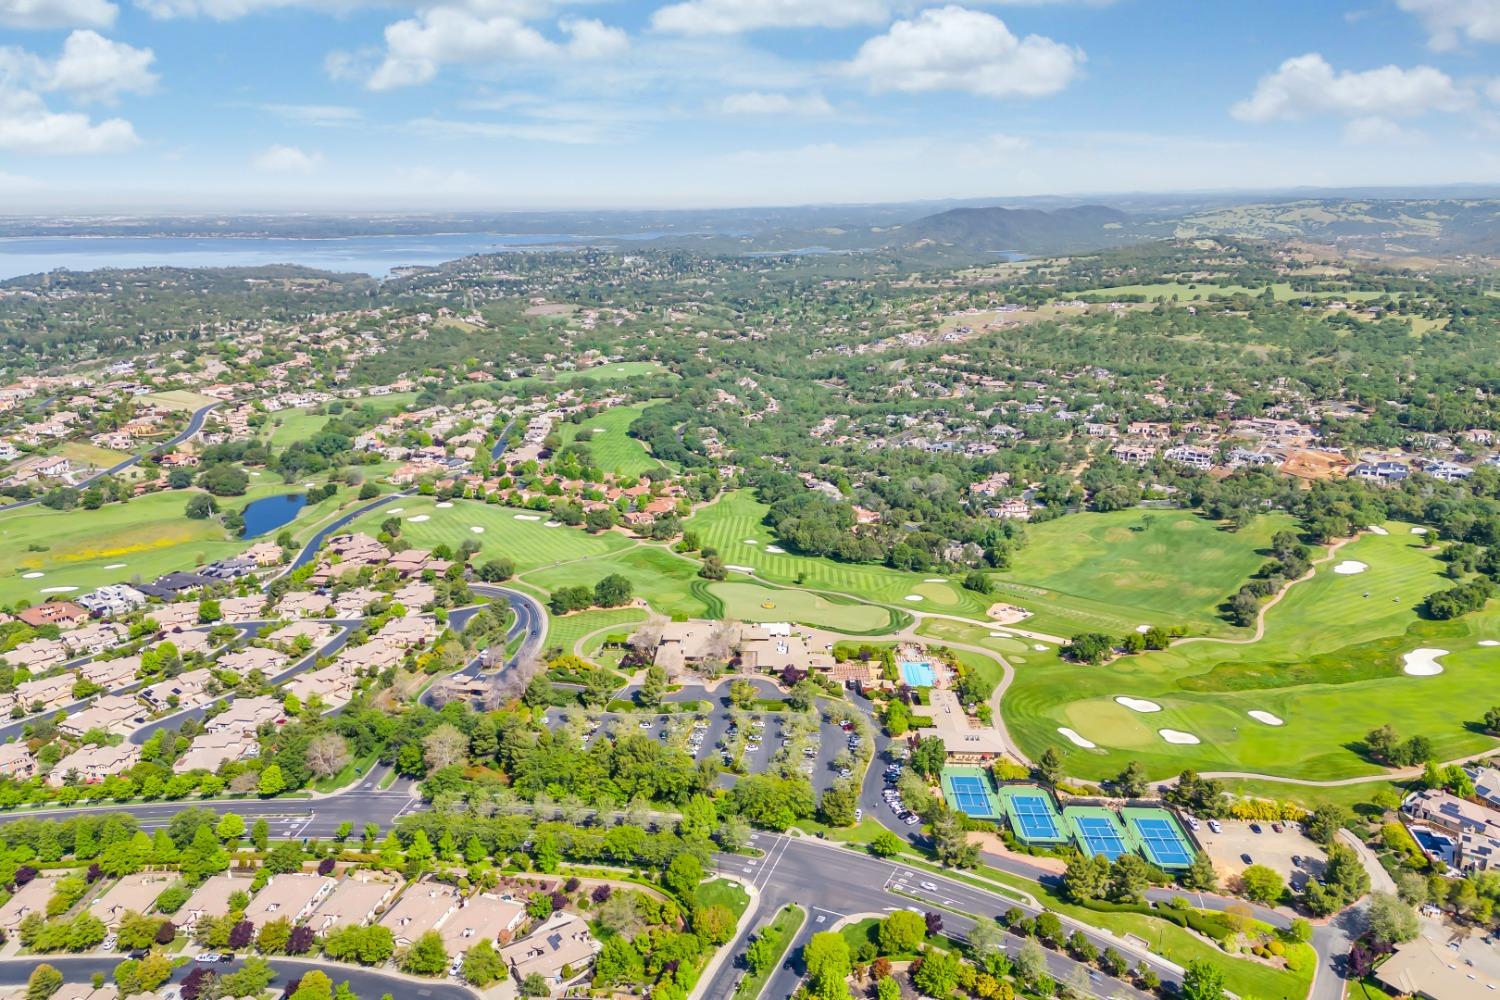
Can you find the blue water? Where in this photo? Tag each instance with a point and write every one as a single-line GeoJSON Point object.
{"type": "Point", "coordinates": [269, 513]}
{"type": "Point", "coordinates": [917, 675]}
{"type": "Point", "coordinates": [372, 255]}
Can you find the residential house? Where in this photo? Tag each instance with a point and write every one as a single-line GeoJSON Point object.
{"type": "Point", "coordinates": [212, 751]}
{"type": "Point", "coordinates": [243, 661]}
{"type": "Point", "coordinates": [421, 908]}
{"type": "Point", "coordinates": [113, 713]}
{"type": "Point", "coordinates": [407, 633]}
{"type": "Point", "coordinates": [131, 894]}
{"type": "Point", "coordinates": [356, 899]}
{"type": "Point", "coordinates": [113, 600]}
{"type": "Point", "coordinates": [91, 640]}
{"type": "Point", "coordinates": [482, 917]}
{"type": "Point", "coordinates": [301, 604]}
{"type": "Point", "coordinates": [1423, 968]}
{"type": "Point", "coordinates": [49, 692]}
{"type": "Point", "coordinates": [92, 763]}
{"type": "Point", "coordinates": [562, 943]}
{"type": "Point", "coordinates": [292, 895]}
{"type": "Point", "coordinates": [183, 691]}
{"type": "Point", "coordinates": [111, 674]}
{"type": "Point", "coordinates": [63, 614]}
{"type": "Point", "coordinates": [29, 898]}
{"type": "Point", "coordinates": [16, 761]}
{"type": "Point", "coordinates": [211, 899]}
{"type": "Point", "coordinates": [1473, 828]}
{"type": "Point", "coordinates": [38, 654]}
{"type": "Point", "coordinates": [245, 716]}
{"type": "Point", "coordinates": [317, 634]}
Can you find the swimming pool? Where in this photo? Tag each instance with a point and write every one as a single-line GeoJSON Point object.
{"type": "Point", "coordinates": [917, 675]}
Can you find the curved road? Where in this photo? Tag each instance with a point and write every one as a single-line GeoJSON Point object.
{"type": "Point", "coordinates": [195, 424]}
{"type": "Point", "coordinates": [531, 621]}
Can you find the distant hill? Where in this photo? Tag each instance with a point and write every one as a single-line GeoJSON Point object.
{"type": "Point", "coordinates": [1022, 230]}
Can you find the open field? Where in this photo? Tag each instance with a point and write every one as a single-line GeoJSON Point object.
{"type": "Point", "coordinates": [746, 602]}
{"type": "Point", "coordinates": [669, 583]}
{"type": "Point", "coordinates": [84, 455]}
{"type": "Point", "coordinates": [286, 427]}
{"type": "Point", "coordinates": [1330, 667]}
{"type": "Point", "coordinates": [1113, 572]}
{"type": "Point", "coordinates": [564, 633]}
{"type": "Point", "coordinates": [733, 523]}
{"type": "Point", "coordinates": [521, 535]}
{"type": "Point", "coordinates": [178, 399]}
{"type": "Point", "coordinates": [618, 370]}
{"type": "Point", "coordinates": [613, 449]}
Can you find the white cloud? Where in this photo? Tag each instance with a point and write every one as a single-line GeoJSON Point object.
{"type": "Point", "coordinates": [416, 48]}
{"type": "Point", "coordinates": [28, 126]}
{"type": "Point", "coordinates": [52, 14]}
{"type": "Point", "coordinates": [1492, 91]}
{"type": "Point", "coordinates": [326, 115]}
{"type": "Point", "coordinates": [93, 68]}
{"type": "Point", "coordinates": [952, 48]}
{"type": "Point", "coordinates": [287, 160]}
{"type": "Point", "coordinates": [757, 102]}
{"type": "Point", "coordinates": [1450, 21]}
{"type": "Point", "coordinates": [1373, 130]}
{"type": "Point", "coordinates": [1306, 85]}
{"type": "Point", "coordinates": [731, 17]}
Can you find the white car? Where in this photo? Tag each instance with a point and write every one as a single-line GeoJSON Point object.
{"type": "Point", "coordinates": [645, 723]}
{"type": "Point", "coordinates": [1213, 825]}
{"type": "Point", "coordinates": [859, 814]}
{"type": "Point", "coordinates": [930, 887]}
{"type": "Point", "coordinates": [207, 957]}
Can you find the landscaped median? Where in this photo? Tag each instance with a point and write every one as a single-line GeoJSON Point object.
{"type": "Point", "coordinates": [767, 950]}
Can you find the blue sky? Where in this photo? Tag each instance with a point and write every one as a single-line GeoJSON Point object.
{"type": "Point", "coordinates": [353, 104]}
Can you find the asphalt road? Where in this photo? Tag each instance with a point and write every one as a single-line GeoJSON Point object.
{"type": "Point", "coordinates": [194, 425]}
{"type": "Point", "coordinates": [310, 550]}
{"type": "Point", "coordinates": [366, 983]}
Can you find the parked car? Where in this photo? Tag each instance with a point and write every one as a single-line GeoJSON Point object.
{"type": "Point", "coordinates": [1213, 825]}
{"type": "Point", "coordinates": [1255, 828]}
{"type": "Point", "coordinates": [1247, 859]}
{"type": "Point", "coordinates": [207, 957]}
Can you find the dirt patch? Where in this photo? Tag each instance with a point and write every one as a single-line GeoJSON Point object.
{"type": "Point", "coordinates": [1008, 614]}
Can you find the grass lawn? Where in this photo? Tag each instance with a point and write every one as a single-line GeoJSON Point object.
{"type": "Point", "coordinates": [1355, 797]}
{"type": "Point", "coordinates": [747, 602]}
{"type": "Point", "coordinates": [724, 892]}
{"type": "Point", "coordinates": [733, 526]}
{"type": "Point", "coordinates": [81, 453]}
{"type": "Point", "coordinates": [178, 399]}
{"type": "Point", "coordinates": [289, 426]}
{"type": "Point", "coordinates": [356, 768]}
{"type": "Point", "coordinates": [780, 932]}
{"type": "Point", "coordinates": [564, 633]}
{"type": "Point", "coordinates": [669, 583]}
{"type": "Point", "coordinates": [1329, 666]}
{"type": "Point", "coordinates": [613, 449]}
{"type": "Point", "coordinates": [1113, 572]}
{"type": "Point", "coordinates": [1202, 292]}
{"type": "Point", "coordinates": [521, 535]}
{"type": "Point", "coordinates": [617, 370]}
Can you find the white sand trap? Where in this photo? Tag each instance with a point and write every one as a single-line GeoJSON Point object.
{"type": "Point", "coordinates": [32, 576]}
{"type": "Point", "coordinates": [1179, 737]}
{"type": "Point", "coordinates": [741, 569]}
{"type": "Point", "coordinates": [751, 541]}
{"type": "Point", "coordinates": [915, 597]}
{"type": "Point", "coordinates": [1423, 662]}
{"type": "Point", "coordinates": [1376, 529]}
{"type": "Point", "coordinates": [477, 530]}
{"type": "Point", "coordinates": [553, 524]}
{"type": "Point", "coordinates": [115, 566]}
{"type": "Point", "coordinates": [444, 505]}
{"type": "Point", "coordinates": [934, 579]}
{"type": "Point", "coordinates": [1138, 704]}
{"type": "Point", "coordinates": [1039, 647]}
{"type": "Point", "coordinates": [999, 635]}
{"type": "Point", "coordinates": [1075, 739]}
{"type": "Point", "coordinates": [1143, 629]}
{"type": "Point", "coordinates": [1489, 642]}
{"type": "Point", "coordinates": [256, 474]}
{"type": "Point", "coordinates": [1266, 717]}
{"type": "Point", "coordinates": [1419, 531]}
{"type": "Point", "coordinates": [309, 486]}
{"type": "Point", "coordinates": [420, 518]}
{"type": "Point", "coordinates": [775, 550]}
{"type": "Point", "coordinates": [1349, 567]}
{"type": "Point", "coordinates": [527, 517]}
{"type": "Point", "coordinates": [57, 590]}
{"type": "Point", "coordinates": [395, 510]}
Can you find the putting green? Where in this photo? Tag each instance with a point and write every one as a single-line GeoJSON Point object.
{"type": "Point", "coordinates": [744, 602]}
{"type": "Point", "coordinates": [612, 447]}
{"type": "Point", "coordinates": [1329, 666]}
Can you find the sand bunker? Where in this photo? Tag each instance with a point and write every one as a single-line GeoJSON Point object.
{"type": "Point", "coordinates": [1423, 662]}
{"type": "Point", "coordinates": [115, 566]}
{"type": "Point", "coordinates": [1143, 629]}
{"type": "Point", "coordinates": [1489, 642]}
{"type": "Point", "coordinates": [1039, 647]}
{"type": "Point", "coordinates": [32, 576]}
{"type": "Point", "coordinates": [1266, 717]}
{"type": "Point", "coordinates": [934, 579]}
{"type": "Point", "coordinates": [1179, 737]}
{"type": "Point", "coordinates": [477, 530]}
{"type": "Point", "coordinates": [395, 510]}
{"type": "Point", "coordinates": [420, 518]}
{"type": "Point", "coordinates": [527, 517]}
{"type": "Point", "coordinates": [914, 597]}
{"type": "Point", "coordinates": [553, 524]}
{"type": "Point", "coordinates": [1419, 531]}
{"type": "Point", "coordinates": [1138, 704]}
{"type": "Point", "coordinates": [775, 549]}
{"type": "Point", "coordinates": [57, 590]}
{"type": "Point", "coordinates": [1075, 739]}
{"type": "Point", "coordinates": [1349, 567]}
{"type": "Point", "coordinates": [751, 541]}
{"type": "Point", "coordinates": [444, 505]}
{"type": "Point", "coordinates": [1376, 529]}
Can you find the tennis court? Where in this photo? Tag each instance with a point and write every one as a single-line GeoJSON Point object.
{"type": "Point", "coordinates": [1098, 832]}
{"type": "Point", "coordinates": [1032, 815]}
{"type": "Point", "coordinates": [1160, 836]}
{"type": "Point", "coordinates": [967, 789]}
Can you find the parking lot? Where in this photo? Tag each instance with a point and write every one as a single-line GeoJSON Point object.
{"type": "Point", "coordinates": [707, 735]}
{"type": "Point", "coordinates": [1238, 840]}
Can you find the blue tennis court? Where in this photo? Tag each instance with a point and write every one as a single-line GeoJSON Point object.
{"type": "Point", "coordinates": [1163, 843]}
{"type": "Point", "coordinates": [969, 794]}
{"type": "Point", "coordinates": [1101, 836]}
{"type": "Point", "coordinates": [918, 675]}
{"type": "Point", "coordinates": [1035, 817]}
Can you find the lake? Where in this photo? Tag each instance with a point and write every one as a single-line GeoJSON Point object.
{"type": "Point", "coordinates": [373, 255]}
{"type": "Point", "coordinates": [269, 513]}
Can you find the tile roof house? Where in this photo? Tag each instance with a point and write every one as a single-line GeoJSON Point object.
{"type": "Point", "coordinates": [303, 605]}
{"type": "Point", "coordinates": [292, 895]}
{"type": "Point", "coordinates": [92, 763]}
{"type": "Point", "coordinates": [353, 901]}
{"type": "Point", "coordinates": [242, 661]}
{"type": "Point", "coordinates": [16, 761]}
{"type": "Point", "coordinates": [317, 633]}
{"type": "Point", "coordinates": [183, 691]}
{"type": "Point", "coordinates": [113, 713]}
{"type": "Point", "coordinates": [133, 894]}
{"type": "Point", "coordinates": [211, 899]}
{"type": "Point", "coordinates": [563, 941]}
{"type": "Point", "coordinates": [421, 908]}
{"type": "Point", "coordinates": [37, 654]}
{"type": "Point", "coordinates": [29, 898]}
{"type": "Point", "coordinates": [245, 716]}
{"type": "Point", "coordinates": [110, 674]}
{"type": "Point", "coordinates": [60, 613]}
{"type": "Point", "coordinates": [482, 917]}
{"type": "Point", "coordinates": [49, 691]}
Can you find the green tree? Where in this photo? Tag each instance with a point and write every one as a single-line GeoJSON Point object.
{"type": "Point", "coordinates": [1390, 920]}
{"type": "Point", "coordinates": [826, 957]}
{"type": "Point", "coordinates": [482, 964]}
{"type": "Point", "coordinates": [44, 981]}
{"type": "Point", "coordinates": [938, 976]}
{"type": "Point", "coordinates": [1262, 884]}
{"type": "Point", "coordinates": [901, 933]}
{"type": "Point", "coordinates": [426, 956]}
{"type": "Point", "coordinates": [271, 781]}
{"type": "Point", "coordinates": [1203, 981]}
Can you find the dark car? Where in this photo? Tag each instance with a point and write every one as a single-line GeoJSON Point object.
{"type": "Point", "coordinates": [138, 954]}
{"type": "Point", "coordinates": [1296, 861]}
{"type": "Point", "coordinates": [1255, 828]}
{"type": "Point", "coordinates": [228, 956]}
{"type": "Point", "coordinates": [1246, 858]}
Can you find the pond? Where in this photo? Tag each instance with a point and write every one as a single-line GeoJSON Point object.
{"type": "Point", "coordinates": [269, 513]}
